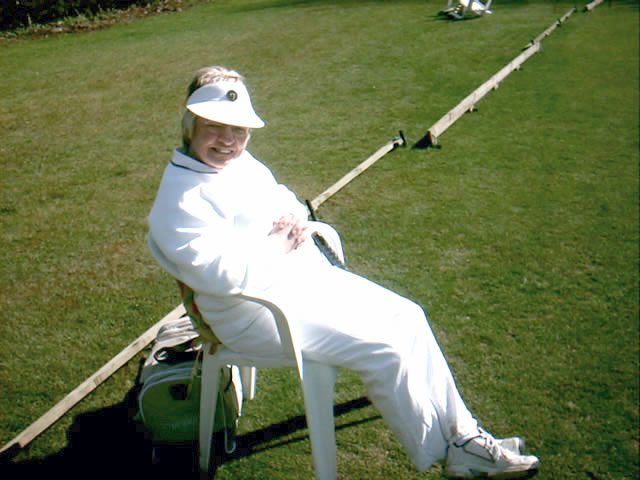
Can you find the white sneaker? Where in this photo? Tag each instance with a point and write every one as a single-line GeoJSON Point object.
{"type": "Point", "coordinates": [513, 444]}
{"type": "Point", "coordinates": [483, 457]}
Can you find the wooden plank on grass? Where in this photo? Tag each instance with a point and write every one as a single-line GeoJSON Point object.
{"type": "Point", "coordinates": [333, 189]}
{"type": "Point", "coordinates": [551, 28]}
{"type": "Point", "coordinates": [468, 104]}
{"type": "Point", "coordinates": [470, 101]}
{"type": "Point", "coordinates": [90, 384]}
{"type": "Point", "coordinates": [592, 5]}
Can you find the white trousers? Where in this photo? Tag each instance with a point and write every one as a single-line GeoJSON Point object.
{"type": "Point", "coordinates": [348, 321]}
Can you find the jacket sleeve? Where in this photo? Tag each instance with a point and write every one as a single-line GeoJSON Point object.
{"type": "Point", "coordinates": [206, 250]}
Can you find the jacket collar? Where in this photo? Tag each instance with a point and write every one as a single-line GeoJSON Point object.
{"type": "Point", "coordinates": [182, 160]}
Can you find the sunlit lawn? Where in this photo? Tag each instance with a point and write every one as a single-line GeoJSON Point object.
{"type": "Point", "coordinates": [519, 236]}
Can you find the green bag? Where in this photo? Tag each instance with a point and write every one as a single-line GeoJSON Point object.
{"type": "Point", "coordinates": [169, 397]}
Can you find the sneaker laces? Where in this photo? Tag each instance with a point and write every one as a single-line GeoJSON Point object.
{"type": "Point", "coordinates": [491, 445]}
{"type": "Point", "coordinates": [485, 441]}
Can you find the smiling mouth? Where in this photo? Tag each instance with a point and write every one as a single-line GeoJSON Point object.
{"type": "Point", "coordinates": [223, 151]}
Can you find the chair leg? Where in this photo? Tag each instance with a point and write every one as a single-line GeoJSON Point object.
{"type": "Point", "coordinates": [468, 6]}
{"type": "Point", "coordinates": [248, 375]}
{"type": "Point", "coordinates": [319, 386]}
{"type": "Point", "coordinates": [208, 398]}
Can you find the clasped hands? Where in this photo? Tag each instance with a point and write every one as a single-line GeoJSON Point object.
{"type": "Point", "coordinates": [292, 231]}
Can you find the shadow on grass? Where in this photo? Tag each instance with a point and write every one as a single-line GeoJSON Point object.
{"type": "Point", "coordinates": [259, 440]}
{"type": "Point", "coordinates": [107, 443]}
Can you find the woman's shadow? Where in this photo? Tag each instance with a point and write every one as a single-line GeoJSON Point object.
{"type": "Point", "coordinates": [109, 443]}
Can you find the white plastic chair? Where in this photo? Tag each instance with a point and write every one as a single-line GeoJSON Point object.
{"type": "Point", "coordinates": [466, 9]}
{"type": "Point", "coordinates": [318, 382]}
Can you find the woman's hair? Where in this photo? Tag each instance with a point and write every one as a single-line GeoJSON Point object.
{"type": "Point", "coordinates": [200, 78]}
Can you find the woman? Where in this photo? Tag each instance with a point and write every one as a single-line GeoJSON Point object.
{"type": "Point", "coordinates": [222, 224]}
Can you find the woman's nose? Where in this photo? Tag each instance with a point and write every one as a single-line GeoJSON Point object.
{"type": "Point", "coordinates": [227, 134]}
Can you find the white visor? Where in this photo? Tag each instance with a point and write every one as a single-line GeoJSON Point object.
{"type": "Point", "coordinates": [226, 102]}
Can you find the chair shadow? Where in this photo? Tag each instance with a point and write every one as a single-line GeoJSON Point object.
{"type": "Point", "coordinates": [259, 440]}
{"type": "Point", "coordinates": [109, 443]}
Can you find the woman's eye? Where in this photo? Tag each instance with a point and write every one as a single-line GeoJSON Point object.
{"type": "Point", "coordinates": [235, 131]}
{"type": "Point", "coordinates": [239, 132]}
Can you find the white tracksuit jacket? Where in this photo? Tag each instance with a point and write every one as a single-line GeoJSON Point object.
{"type": "Point", "coordinates": [209, 228]}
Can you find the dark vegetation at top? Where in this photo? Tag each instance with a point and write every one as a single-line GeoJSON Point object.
{"type": "Point", "coordinates": [37, 18]}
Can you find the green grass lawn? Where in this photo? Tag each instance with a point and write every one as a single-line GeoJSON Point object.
{"type": "Point", "coordinates": [519, 236]}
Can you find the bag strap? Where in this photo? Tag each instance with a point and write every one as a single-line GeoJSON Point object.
{"type": "Point", "coordinates": [205, 331]}
{"type": "Point", "coordinates": [327, 251]}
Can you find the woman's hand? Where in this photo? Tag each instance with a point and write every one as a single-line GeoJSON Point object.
{"type": "Point", "coordinates": [292, 231]}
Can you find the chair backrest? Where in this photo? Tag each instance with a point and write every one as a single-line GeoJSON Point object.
{"type": "Point", "coordinates": [286, 329]}
{"type": "Point", "coordinates": [278, 306]}
{"type": "Point", "coordinates": [268, 300]}
{"type": "Point", "coordinates": [208, 335]}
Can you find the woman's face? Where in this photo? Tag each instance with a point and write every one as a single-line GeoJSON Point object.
{"type": "Point", "coordinates": [217, 144]}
